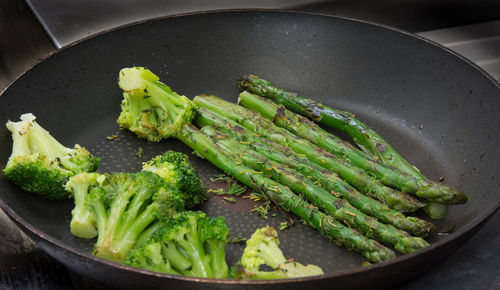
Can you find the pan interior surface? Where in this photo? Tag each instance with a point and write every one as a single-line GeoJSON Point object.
{"type": "Point", "coordinates": [438, 111]}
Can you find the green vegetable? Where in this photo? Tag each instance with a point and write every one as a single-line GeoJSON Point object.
{"type": "Point", "coordinates": [189, 244]}
{"type": "Point", "coordinates": [150, 108]}
{"type": "Point", "coordinates": [351, 174]}
{"type": "Point", "coordinates": [269, 150]}
{"type": "Point", "coordinates": [83, 224]}
{"type": "Point", "coordinates": [176, 169]}
{"type": "Point", "coordinates": [125, 205]}
{"type": "Point", "coordinates": [263, 249]}
{"type": "Point", "coordinates": [39, 163]}
{"type": "Point", "coordinates": [318, 196]}
{"type": "Point", "coordinates": [285, 198]}
{"type": "Point", "coordinates": [306, 129]}
{"type": "Point", "coordinates": [365, 137]}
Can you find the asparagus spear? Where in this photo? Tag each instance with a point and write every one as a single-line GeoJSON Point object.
{"type": "Point", "coordinates": [307, 129]}
{"type": "Point", "coordinates": [353, 175]}
{"type": "Point", "coordinates": [366, 138]}
{"type": "Point", "coordinates": [326, 179]}
{"type": "Point", "coordinates": [318, 196]}
{"type": "Point", "coordinates": [285, 198]}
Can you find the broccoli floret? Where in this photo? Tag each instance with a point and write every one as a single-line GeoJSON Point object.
{"type": "Point", "coordinates": [82, 223]}
{"type": "Point", "coordinates": [263, 249]}
{"type": "Point", "coordinates": [175, 168]}
{"type": "Point", "coordinates": [126, 206]}
{"type": "Point", "coordinates": [189, 244]}
{"type": "Point", "coordinates": [150, 108]}
{"type": "Point", "coordinates": [39, 163]}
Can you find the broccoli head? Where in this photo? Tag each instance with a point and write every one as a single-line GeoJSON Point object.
{"type": "Point", "coordinates": [189, 244]}
{"type": "Point", "coordinates": [150, 108]}
{"type": "Point", "coordinates": [39, 163]}
{"type": "Point", "coordinates": [126, 206]}
{"type": "Point", "coordinates": [176, 169]}
{"type": "Point", "coordinates": [263, 249]}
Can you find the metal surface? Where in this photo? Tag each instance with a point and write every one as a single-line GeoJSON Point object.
{"type": "Point", "coordinates": [383, 83]}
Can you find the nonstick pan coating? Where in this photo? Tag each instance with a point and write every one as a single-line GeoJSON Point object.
{"type": "Point", "coordinates": [436, 108]}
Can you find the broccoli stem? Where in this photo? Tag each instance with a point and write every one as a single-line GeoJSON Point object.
{"type": "Point", "coordinates": [119, 231]}
{"type": "Point", "coordinates": [82, 223]}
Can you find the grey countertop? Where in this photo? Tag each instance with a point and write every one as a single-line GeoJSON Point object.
{"type": "Point", "coordinates": [475, 265]}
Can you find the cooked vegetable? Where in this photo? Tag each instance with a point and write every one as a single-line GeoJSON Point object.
{"type": "Point", "coordinates": [83, 223]}
{"type": "Point", "coordinates": [176, 169]}
{"type": "Point", "coordinates": [306, 129]}
{"type": "Point", "coordinates": [125, 205]}
{"type": "Point", "coordinates": [249, 143]}
{"type": "Point", "coordinates": [39, 163]}
{"type": "Point", "coordinates": [150, 108]}
{"type": "Point", "coordinates": [351, 174]}
{"type": "Point", "coordinates": [189, 244]}
{"type": "Point", "coordinates": [318, 196]}
{"type": "Point", "coordinates": [365, 137]}
{"type": "Point", "coordinates": [263, 249]}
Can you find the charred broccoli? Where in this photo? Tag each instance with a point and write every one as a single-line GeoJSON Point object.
{"type": "Point", "coordinates": [126, 206]}
{"type": "Point", "coordinates": [189, 244]}
{"type": "Point", "coordinates": [176, 169]}
{"type": "Point", "coordinates": [39, 163]}
{"type": "Point", "coordinates": [263, 249]}
{"type": "Point", "coordinates": [150, 108]}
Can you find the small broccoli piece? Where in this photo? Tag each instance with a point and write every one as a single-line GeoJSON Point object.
{"type": "Point", "coordinates": [150, 108]}
{"type": "Point", "coordinates": [189, 244]}
{"type": "Point", "coordinates": [82, 223]}
{"type": "Point", "coordinates": [176, 169]}
{"type": "Point", "coordinates": [39, 163]}
{"type": "Point", "coordinates": [263, 249]}
{"type": "Point", "coordinates": [127, 206]}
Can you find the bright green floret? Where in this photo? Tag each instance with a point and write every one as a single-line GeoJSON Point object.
{"type": "Point", "coordinates": [263, 249]}
{"type": "Point", "coordinates": [83, 223]}
{"type": "Point", "coordinates": [176, 169]}
{"type": "Point", "coordinates": [39, 163]}
{"type": "Point", "coordinates": [126, 206]}
{"type": "Point", "coordinates": [189, 244]}
{"type": "Point", "coordinates": [150, 108]}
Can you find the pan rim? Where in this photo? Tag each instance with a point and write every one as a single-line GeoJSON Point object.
{"type": "Point", "coordinates": [486, 214]}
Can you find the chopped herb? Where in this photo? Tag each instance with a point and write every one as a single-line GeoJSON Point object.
{"type": "Point", "coordinates": [221, 177]}
{"type": "Point", "coordinates": [139, 152]}
{"type": "Point", "coordinates": [216, 191]}
{"type": "Point", "coordinates": [112, 137]}
{"type": "Point", "coordinates": [263, 209]}
{"type": "Point", "coordinates": [285, 225]}
{"type": "Point", "coordinates": [230, 199]}
{"type": "Point", "coordinates": [235, 189]}
{"type": "Point", "coordinates": [239, 239]}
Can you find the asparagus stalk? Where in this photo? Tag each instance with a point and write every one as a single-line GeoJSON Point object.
{"type": "Point", "coordinates": [307, 129]}
{"type": "Point", "coordinates": [318, 196]}
{"type": "Point", "coordinates": [366, 138]}
{"type": "Point", "coordinates": [285, 198]}
{"type": "Point", "coordinates": [324, 178]}
{"type": "Point", "coordinates": [355, 176]}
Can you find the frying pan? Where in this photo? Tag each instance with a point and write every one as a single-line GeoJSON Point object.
{"type": "Point", "coordinates": [436, 108]}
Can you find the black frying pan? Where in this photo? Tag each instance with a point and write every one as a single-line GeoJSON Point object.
{"type": "Point", "coordinates": [436, 108]}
